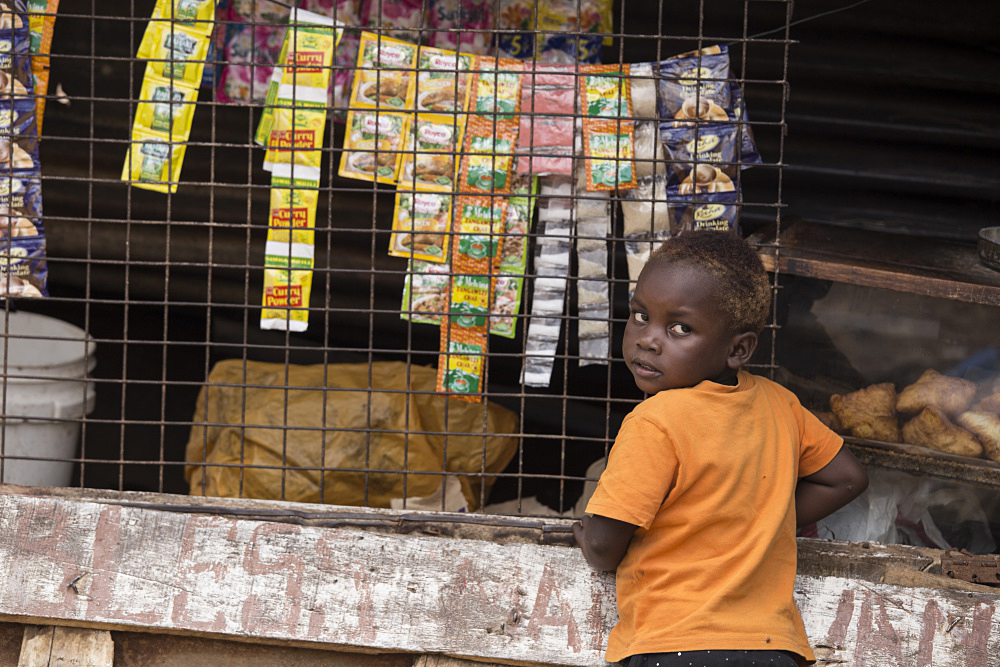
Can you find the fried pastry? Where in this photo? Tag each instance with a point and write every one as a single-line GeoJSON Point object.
{"type": "Point", "coordinates": [948, 394]}
{"type": "Point", "coordinates": [869, 413]}
{"type": "Point", "coordinates": [932, 428]}
{"type": "Point", "coordinates": [989, 403]}
{"type": "Point", "coordinates": [986, 427]}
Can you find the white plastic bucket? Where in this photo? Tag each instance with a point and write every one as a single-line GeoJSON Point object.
{"type": "Point", "coordinates": [44, 363]}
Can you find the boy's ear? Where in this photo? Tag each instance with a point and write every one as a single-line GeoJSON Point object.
{"type": "Point", "coordinates": [741, 348]}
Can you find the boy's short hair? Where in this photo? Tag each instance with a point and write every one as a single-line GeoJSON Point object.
{"type": "Point", "coordinates": [743, 291]}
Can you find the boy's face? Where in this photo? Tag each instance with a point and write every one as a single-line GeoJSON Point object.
{"type": "Point", "coordinates": [676, 335]}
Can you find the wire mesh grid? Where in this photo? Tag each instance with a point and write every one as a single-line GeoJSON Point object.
{"type": "Point", "coordinates": [193, 396]}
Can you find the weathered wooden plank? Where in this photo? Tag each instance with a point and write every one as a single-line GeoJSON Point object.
{"type": "Point", "coordinates": [106, 565]}
{"type": "Point", "coordinates": [58, 646]}
{"type": "Point", "coordinates": [445, 661]}
{"type": "Point", "coordinates": [134, 649]}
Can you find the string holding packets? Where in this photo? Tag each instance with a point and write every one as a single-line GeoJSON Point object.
{"type": "Point", "coordinates": [292, 131]}
{"type": "Point", "coordinates": [24, 269]}
{"type": "Point", "coordinates": [175, 46]}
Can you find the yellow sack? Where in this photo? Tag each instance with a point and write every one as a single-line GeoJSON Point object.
{"type": "Point", "coordinates": [286, 435]}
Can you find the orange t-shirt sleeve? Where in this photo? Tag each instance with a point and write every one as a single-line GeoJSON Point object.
{"type": "Point", "coordinates": [641, 470]}
{"type": "Point", "coordinates": [818, 443]}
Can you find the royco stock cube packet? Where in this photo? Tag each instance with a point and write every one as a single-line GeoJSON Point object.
{"type": "Point", "coordinates": [166, 107]}
{"type": "Point", "coordinates": [384, 74]}
{"type": "Point", "coordinates": [420, 224]}
{"type": "Point", "coordinates": [153, 161]}
{"type": "Point", "coordinates": [372, 145]}
{"type": "Point", "coordinates": [428, 161]}
{"type": "Point", "coordinates": [442, 83]}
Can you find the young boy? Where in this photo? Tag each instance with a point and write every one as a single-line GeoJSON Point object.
{"type": "Point", "coordinates": [709, 476]}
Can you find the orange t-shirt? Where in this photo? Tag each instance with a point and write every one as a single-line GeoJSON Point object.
{"type": "Point", "coordinates": [708, 474]}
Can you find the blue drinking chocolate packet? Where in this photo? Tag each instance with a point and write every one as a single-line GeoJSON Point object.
{"type": "Point", "coordinates": [23, 269]}
{"type": "Point", "coordinates": [702, 159]}
{"type": "Point", "coordinates": [18, 137]}
{"type": "Point", "coordinates": [718, 212]}
{"type": "Point", "coordinates": [694, 87]}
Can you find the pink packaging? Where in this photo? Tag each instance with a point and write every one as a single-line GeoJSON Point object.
{"type": "Point", "coordinates": [461, 25]}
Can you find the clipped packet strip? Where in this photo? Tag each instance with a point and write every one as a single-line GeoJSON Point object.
{"type": "Point", "coordinates": [719, 212]}
{"type": "Point", "coordinates": [373, 144]}
{"type": "Point", "coordinates": [647, 221]}
{"type": "Point", "coordinates": [496, 91]}
{"type": "Point", "coordinates": [41, 24]}
{"type": "Point", "coordinates": [703, 160]}
{"type": "Point", "coordinates": [19, 138]}
{"type": "Point", "coordinates": [693, 88]}
{"type": "Point", "coordinates": [593, 226]}
{"type": "Point", "coordinates": [176, 51]}
{"type": "Point", "coordinates": [476, 248]}
{"type": "Point", "coordinates": [509, 284]}
{"type": "Point", "coordinates": [305, 60]}
{"type": "Point", "coordinates": [552, 255]}
{"type": "Point", "coordinates": [605, 91]}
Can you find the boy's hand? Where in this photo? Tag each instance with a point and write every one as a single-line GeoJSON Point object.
{"type": "Point", "coordinates": [824, 492]}
{"type": "Point", "coordinates": [603, 541]}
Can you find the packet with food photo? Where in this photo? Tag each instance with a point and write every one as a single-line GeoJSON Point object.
{"type": "Point", "coordinates": [297, 134]}
{"type": "Point", "coordinates": [701, 160]}
{"type": "Point", "coordinates": [372, 145]}
{"type": "Point", "coordinates": [425, 292]}
{"type": "Point", "coordinates": [718, 212]}
{"type": "Point", "coordinates": [442, 80]}
{"type": "Point", "coordinates": [292, 214]}
{"type": "Point", "coordinates": [488, 157]}
{"type": "Point", "coordinates": [21, 197]}
{"type": "Point", "coordinates": [166, 107]}
{"type": "Point", "coordinates": [608, 153]}
{"type": "Point", "coordinates": [18, 136]}
{"type": "Point", "coordinates": [23, 268]}
{"type": "Point", "coordinates": [420, 225]}
{"type": "Point", "coordinates": [16, 78]}
{"type": "Point", "coordinates": [177, 53]}
{"type": "Point", "coordinates": [384, 73]}
{"type": "Point", "coordinates": [509, 283]}
{"type": "Point", "coordinates": [153, 161]}
{"type": "Point", "coordinates": [432, 143]}
{"type": "Point", "coordinates": [497, 89]}
{"type": "Point", "coordinates": [694, 88]}
{"type": "Point", "coordinates": [285, 302]}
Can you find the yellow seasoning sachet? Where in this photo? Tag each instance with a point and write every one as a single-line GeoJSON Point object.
{"type": "Point", "coordinates": [153, 162]}
{"type": "Point", "coordinates": [196, 15]}
{"type": "Point", "coordinates": [286, 299]}
{"type": "Point", "coordinates": [178, 53]}
{"type": "Point", "coordinates": [297, 135]}
{"type": "Point", "coordinates": [292, 216]}
{"type": "Point", "coordinates": [373, 142]}
{"type": "Point", "coordinates": [300, 22]}
{"type": "Point", "coordinates": [166, 107]}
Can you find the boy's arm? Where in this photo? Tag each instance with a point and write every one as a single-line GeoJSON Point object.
{"type": "Point", "coordinates": [604, 541]}
{"type": "Point", "coordinates": [824, 492]}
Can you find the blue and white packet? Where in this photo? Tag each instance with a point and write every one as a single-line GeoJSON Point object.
{"type": "Point", "coordinates": [21, 198]}
{"type": "Point", "coordinates": [16, 79]}
{"type": "Point", "coordinates": [694, 87]}
{"type": "Point", "coordinates": [23, 269]}
{"type": "Point", "coordinates": [701, 159]}
{"type": "Point", "coordinates": [717, 212]}
{"type": "Point", "coordinates": [19, 137]}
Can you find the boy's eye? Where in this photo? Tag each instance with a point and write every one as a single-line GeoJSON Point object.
{"type": "Point", "coordinates": [640, 317]}
{"type": "Point", "coordinates": [680, 329]}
